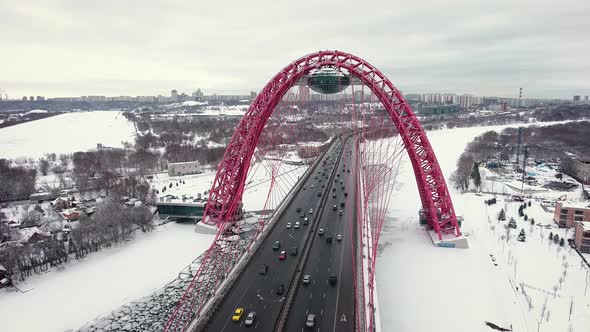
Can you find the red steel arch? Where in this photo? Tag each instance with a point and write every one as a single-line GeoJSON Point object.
{"type": "Point", "coordinates": [226, 192]}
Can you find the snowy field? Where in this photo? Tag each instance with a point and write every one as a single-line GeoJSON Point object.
{"type": "Point", "coordinates": [257, 186]}
{"type": "Point", "coordinates": [423, 288]}
{"type": "Point", "coordinates": [67, 298]}
{"type": "Point", "coordinates": [65, 133]}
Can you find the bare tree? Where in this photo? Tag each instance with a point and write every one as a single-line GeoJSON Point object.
{"type": "Point", "coordinates": [43, 166]}
{"type": "Point", "coordinates": [463, 172]}
{"type": "Point", "coordinates": [140, 216]}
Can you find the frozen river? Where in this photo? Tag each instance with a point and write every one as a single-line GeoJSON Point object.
{"type": "Point", "coordinates": [65, 133]}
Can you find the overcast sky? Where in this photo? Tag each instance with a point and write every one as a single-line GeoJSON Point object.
{"type": "Point", "coordinates": [147, 47]}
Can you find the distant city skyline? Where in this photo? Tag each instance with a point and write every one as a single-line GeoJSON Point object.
{"type": "Point", "coordinates": [73, 48]}
{"type": "Point", "coordinates": [244, 92]}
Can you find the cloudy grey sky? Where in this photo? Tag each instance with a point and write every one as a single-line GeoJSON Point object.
{"type": "Point", "coordinates": [147, 47]}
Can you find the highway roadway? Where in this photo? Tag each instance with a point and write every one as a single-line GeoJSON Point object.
{"type": "Point", "coordinates": [257, 292]}
{"type": "Point", "coordinates": [332, 305]}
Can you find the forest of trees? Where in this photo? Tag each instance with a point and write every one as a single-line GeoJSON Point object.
{"type": "Point", "coordinates": [111, 224]}
{"type": "Point", "coordinates": [549, 143]}
{"type": "Point", "coordinates": [16, 182]}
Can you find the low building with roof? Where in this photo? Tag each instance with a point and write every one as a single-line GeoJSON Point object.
{"type": "Point", "coordinates": [33, 234]}
{"type": "Point", "coordinates": [60, 203]}
{"type": "Point", "coordinates": [181, 210]}
{"type": "Point", "coordinates": [71, 214]}
{"type": "Point", "coordinates": [582, 236]}
{"type": "Point", "coordinates": [184, 168]}
{"type": "Point", "coordinates": [582, 166]}
{"type": "Point", "coordinates": [567, 213]}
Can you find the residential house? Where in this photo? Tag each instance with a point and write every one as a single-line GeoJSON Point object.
{"type": "Point", "coordinates": [133, 202]}
{"type": "Point", "coordinates": [32, 235]}
{"type": "Point", "coordinates": [72, 214]}
{"type": "Point", "coordinates": [61, 203]}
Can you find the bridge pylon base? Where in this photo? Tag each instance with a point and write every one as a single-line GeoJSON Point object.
{"type": "Point", "coordinates": [448, 241]}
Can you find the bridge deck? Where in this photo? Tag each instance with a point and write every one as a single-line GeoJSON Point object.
{"type": "Point", "coordinates": [256, 292]}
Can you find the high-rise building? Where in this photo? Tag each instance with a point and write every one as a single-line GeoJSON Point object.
{"type": "Point", "coordinates": [174, 94]}
{"type": "Point", "coordinates": [586, 100]}
{"type": "Point", "coordinates": [466, 101]}
{"type": "Point", "coordinates": [576, 99]}
{"type": "Point", "coordinates": [253, 95]}
{"type": "Point", "coordinates": [198, 95]}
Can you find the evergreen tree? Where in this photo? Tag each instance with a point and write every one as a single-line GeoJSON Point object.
{"type": "Point", "coordinates": [502, 215]}
{"type": "Point", "coordinates": [562, 242]}
{"type": "Point", "coordinates": [529, 203]}
{"type": "Point", "coordinates": [526, 217]}
{"type": "Point", "coordinates": [551, 236]}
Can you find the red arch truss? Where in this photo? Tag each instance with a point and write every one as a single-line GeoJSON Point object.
{"type": "Point", "coordinates": [226, 192]}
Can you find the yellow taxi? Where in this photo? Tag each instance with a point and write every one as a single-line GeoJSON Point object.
{"type": "Point", "coordinates": [237, 314]}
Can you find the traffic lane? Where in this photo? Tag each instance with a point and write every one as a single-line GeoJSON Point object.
{"type": "Point", "coordinates": [344, 314]}
{"type": "Point", "coordinates": [259, 295]}
{"type": "Point", "coordinates": [331, 303]}
{"type": "Point", "coordinates": [320, 265]}
{"type": "Point", "coordinates": [309, 298]}
{"type": "Point", "coordinates": [316, 259]}
{"type": "Point", "coordinates": [263, 298]}
{"type": "Point", "coordinates": [286, 245]}
{"type": "Point", "coordinates": [328, 305]}
{"type": "Point", "coordinates": [278, 229]}
{"type": "Point", "coordinates": [310, 196]}
{"type": "Point", "coordinates": [339, 309]}
{"type": "Point", "coordinates": [235, 298]}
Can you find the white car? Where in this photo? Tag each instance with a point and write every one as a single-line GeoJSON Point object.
{"type": "Point", "coordinates": [306, 279]}
{"type": "Point", "coordinates": [288, 225]}
{"type": "Point", "coordinates": [321, 232]}
{"type": "Point", "coordinates": [310, 211]}
{"type": "Point", "coordinates": [297, 224]}
{"type": "Point", "coordinates": [339, 237]}
{"type": "Point", "coordinates": [250, 318]}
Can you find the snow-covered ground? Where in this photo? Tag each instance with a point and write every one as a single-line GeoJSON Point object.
{"type": "Point", "coordinates": [421, 288]}
{"type": "Point", "coordinates": [257, 185]}
{"type": "Point", "coordinates": [65, 133]}
{"type": "Point", "coordinates": [67, 298]}
{"type": "Point", "coordinates": [425, 288]}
